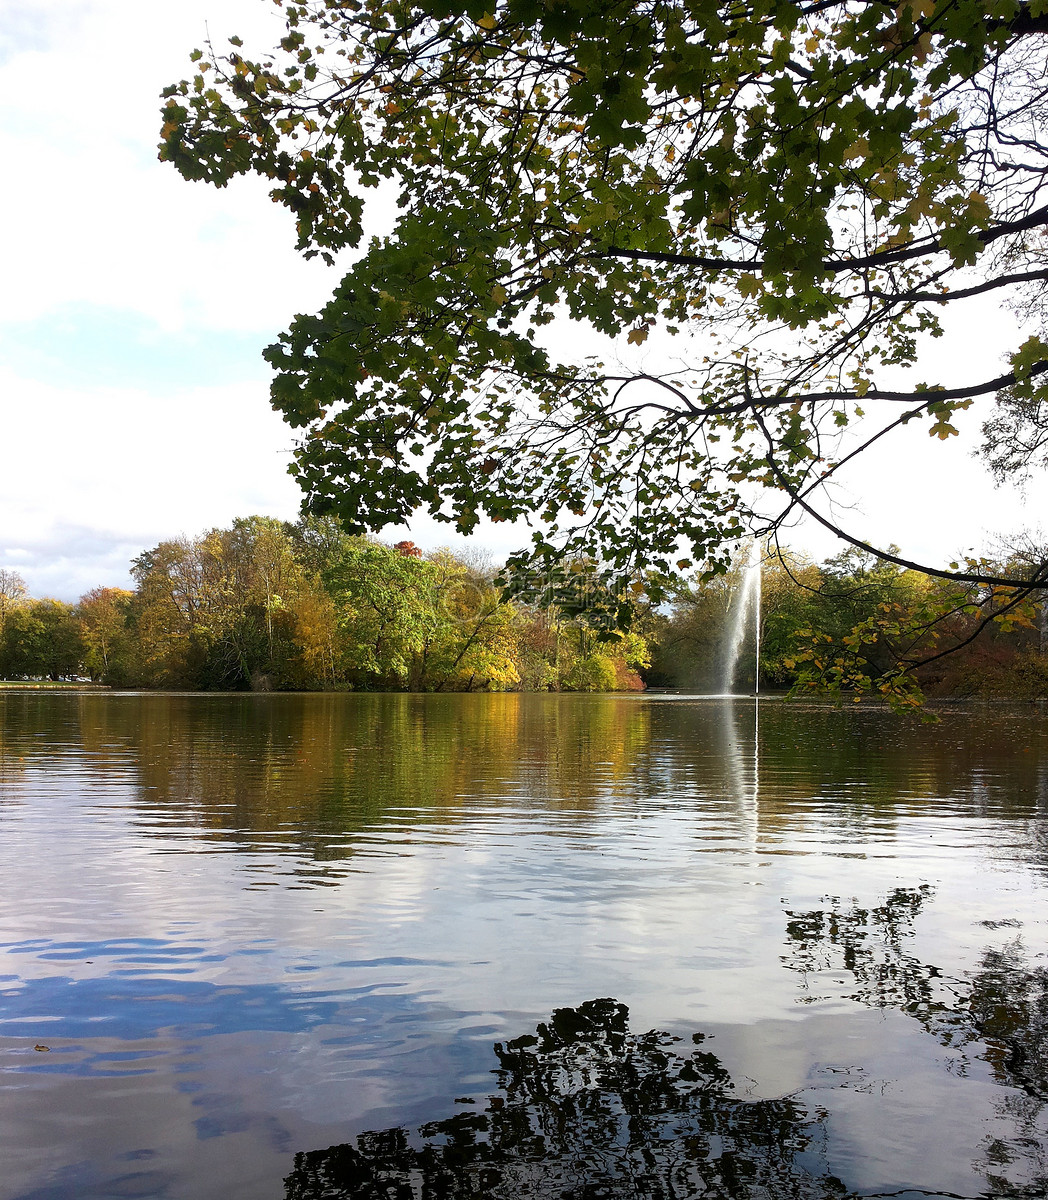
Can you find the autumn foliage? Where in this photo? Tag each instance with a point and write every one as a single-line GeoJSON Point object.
{"type": "Point", "coordinates": [265, 605]}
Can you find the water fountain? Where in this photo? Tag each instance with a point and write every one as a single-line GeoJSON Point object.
{"type": "Point", "coordinates": [747, 599]}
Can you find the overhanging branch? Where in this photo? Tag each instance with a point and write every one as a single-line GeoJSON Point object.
{"type": "Point", "coordinates": [880, 258]}
{"type": "Point", "coordinates": [1038, 582]}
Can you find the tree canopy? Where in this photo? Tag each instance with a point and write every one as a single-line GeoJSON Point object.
{"type": "Point", "coordinates": [802, 186]}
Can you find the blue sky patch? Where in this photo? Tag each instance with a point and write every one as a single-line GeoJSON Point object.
{"type": "Point", "coordinates": [105, 347]}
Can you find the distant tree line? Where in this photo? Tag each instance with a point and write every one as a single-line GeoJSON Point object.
{"type": "Point", "coordinates": [270, 605]}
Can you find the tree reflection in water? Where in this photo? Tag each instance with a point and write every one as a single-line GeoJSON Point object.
{"type": "Point", "coordinates": [999, 1010]}
{"type": "Point", "coordinates": [1002, 1004]}
{"type": "Point", "coordinates": [587, 1110]}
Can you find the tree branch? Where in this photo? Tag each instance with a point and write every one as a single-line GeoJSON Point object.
{"type": "Point", "coordinates": [960, 393]}
{"type": "Point", "coordinates": [979, 289]}
{"type": "Point", "coordinates": [880, 258]}
{"type": "Point", "coordinates": [1038, 584]}
{"type": "Point", "coordinates": [884, 555]}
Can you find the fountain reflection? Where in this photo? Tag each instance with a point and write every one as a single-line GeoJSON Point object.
{"type": "Point", "coordinates": [741, 756]}
{"type": "Point", "coordinates": [587, 1109]}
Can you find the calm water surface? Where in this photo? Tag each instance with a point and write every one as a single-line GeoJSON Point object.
{"type": "Point", "coordinates": [295, 947]}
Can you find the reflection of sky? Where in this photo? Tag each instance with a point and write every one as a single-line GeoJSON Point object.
{"type": "Point", "coordinates": [196, 985]}
{"type": "Point", "coordinates": [132, 1004]}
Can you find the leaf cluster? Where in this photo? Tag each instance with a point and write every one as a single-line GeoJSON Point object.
{"type": "Point", "coordinates": [801, 186]}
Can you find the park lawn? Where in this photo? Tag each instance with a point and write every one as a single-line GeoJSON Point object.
{"type": "Point", "coordinates": [34, 684]}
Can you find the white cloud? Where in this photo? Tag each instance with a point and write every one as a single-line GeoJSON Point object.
{"type": "Point", "coordinates": [90, 477]}
{"type": "Point", "coordinates": [93, 217]}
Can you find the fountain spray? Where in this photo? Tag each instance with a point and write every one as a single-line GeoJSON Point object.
{"type": "Point", "coordinates": [747, 599]}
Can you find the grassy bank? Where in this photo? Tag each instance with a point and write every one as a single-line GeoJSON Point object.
{"type": "Point", "coordinates": [34, 685]}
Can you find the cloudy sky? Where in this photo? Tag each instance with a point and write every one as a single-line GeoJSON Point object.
{"type": "Point", "coordinates": [133, 396]}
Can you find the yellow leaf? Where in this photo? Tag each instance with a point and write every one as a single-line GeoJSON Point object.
{"type": "Point", "coordinates": [858, 149]}
{"type": "Point", "coordinates": [915, 9]}
{"type": "Point", "coordinates": [638, 335]}
{"type": "Point", "coordinates": [978, 209]}
{"type": "Point", "coordinates": [498, 294]}
{"type": "Point", "coordinates": [487, 21]}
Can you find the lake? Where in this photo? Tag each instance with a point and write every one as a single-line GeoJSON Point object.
{"type": "Point", "coordinates": [285, 947]}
